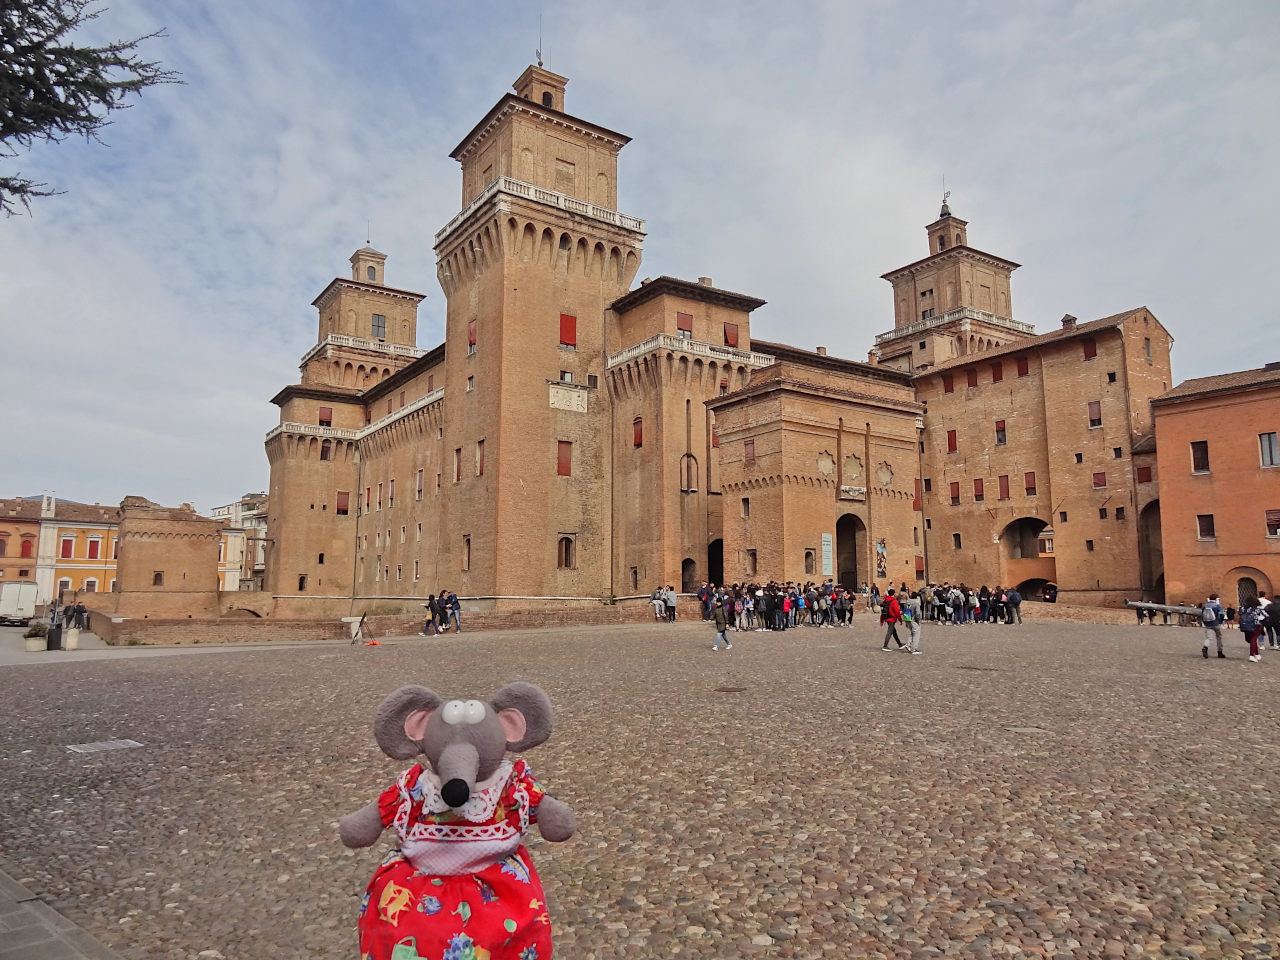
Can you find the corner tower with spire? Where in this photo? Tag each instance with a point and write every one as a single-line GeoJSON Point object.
{"type": "Point", "coordinates": [954, 302]}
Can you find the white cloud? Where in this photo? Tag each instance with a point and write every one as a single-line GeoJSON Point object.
{"type": "Point", "coordinates": [1121, 152]}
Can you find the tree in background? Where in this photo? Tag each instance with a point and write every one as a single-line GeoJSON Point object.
{"type": "Point", "coordinates": [51, 89]}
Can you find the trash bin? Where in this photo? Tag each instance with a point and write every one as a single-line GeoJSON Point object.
{"type": "Point", "coordinates": [54, 641]}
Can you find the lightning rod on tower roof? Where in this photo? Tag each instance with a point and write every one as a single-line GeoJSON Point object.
{"type": "Point", "coordinates": [538, 52]}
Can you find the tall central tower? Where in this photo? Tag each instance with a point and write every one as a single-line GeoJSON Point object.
{"type": "Point", "coordinates": [529, 268]}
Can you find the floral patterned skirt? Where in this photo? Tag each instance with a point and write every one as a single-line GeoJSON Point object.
{"type": "Point", "coordinates": [497, 914]}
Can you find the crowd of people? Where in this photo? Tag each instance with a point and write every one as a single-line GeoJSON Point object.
{"type": "Point", "coordinates": [1259, 619]}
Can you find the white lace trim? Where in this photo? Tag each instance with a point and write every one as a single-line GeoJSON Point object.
{"type": "Point", "coordinates": [477, 826]}
{"type": "Point", "coordinates": [483, 801]}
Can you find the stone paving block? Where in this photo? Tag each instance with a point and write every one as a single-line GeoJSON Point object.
{"type": "Point", "coordinates": [86, 946]}
{"type": "Point", "coordinates": [48, 950]}
{"type": "Point", "coordinates": [13, 939]}
{"type": "Point", "coordinates": [11, 889]}
{"type": "Point", "coordinates": [45, 914]}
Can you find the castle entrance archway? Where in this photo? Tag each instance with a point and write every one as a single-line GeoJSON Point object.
{"type": "Point", "coordinates": [1151, 553]}
{"type": "Point", "coordinates": [715, 562]}
{"type": "Point", "coordinates": [689, 575]}
{"type": "Point", "coordinates": [1026, 552]}
{"type": "Point", "coordinates": [853, 564]}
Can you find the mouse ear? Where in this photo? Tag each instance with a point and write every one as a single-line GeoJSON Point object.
{"type": "Point", "coordinates": [525, 713]}
{"type": "Point", "coordinates": [401, 721]}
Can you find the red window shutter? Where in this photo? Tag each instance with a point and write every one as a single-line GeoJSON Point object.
{"type": "Point", "coordinates": [1024, 366]}
{"type": "Point", "coordinates": [326, 416]}
{"type": "Point", "coordinates": [402, 398]}
{"type": "Point", "coordinates": [343, 504]}
{"type": "Point", "coordinates": [479, 458]}
{"type": "Point", "coordinates": [919, 564]}
{"type": "Point", "coordinates": [999, 425]}
{"type": "Point", "coordinates": [955, 491]}
{"type": "Point", "coordinates": [1004, 487]}
{"type": "Point", "coordinates": [1030, 481]}
{"type": "Point", "coordinates": [637, 432]}
{"type": "Point", "coordinates": [971, 377]}
{"type": "Point", "coordinates": [368, 496]}
{"type": "Point", "coordinates": [1090, 346]}
{"type": "Point", "coordinates": [1144, 474]}
{"type": "Point", "coordinates": [730, 334]}
{"type": "Point", "coordinates": [749, 451]}
{"type": "Point", "coordinates": [67, 546]}
{"type": "Point", "coordinates": [715, 437]}
{"type": "Point", "coordinates": [94, 546]}
{"type": "Point", "coordinates": [564, 458]}
{"type": "Point", "coordinates": [951, 441]}
{"type": "Point", "coordinates": [997, 372]}
{"type": "Point", "coordinates": [915, 504]}
{"type": "Point", "coordinates": [977, 489]}
{"type": "Point", "coordinates": [1099, 479]}
{"type": "Point", "coordinates": [471, 332]}
{"type": "Point", "coordinates": [431, 382]}
{"type": "Point", "coordinates": [1273, 516]}
{"type": "Point", "coordinates": [568, 330]}
{"type": "Point", "coordinates": [948, 383]}
{"type": "Point", "coordinates": [684, 321]}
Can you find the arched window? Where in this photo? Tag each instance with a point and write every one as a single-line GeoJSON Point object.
{"type": "Point", "coordinates": [637, 434]}
{"type": "Point", "coordinates": [91, 585]}
{"type": "Point", "coordinates": [959, 242]}
{"type": "Point", "coordinates": [547, 99]}
{"type": "Point", "coordinates": [28, 545]}
{"type": "Point", "coordinates": [565, 559]}
{"type": "Point", "coordinates": [371, 273]}
{"type": "Point", "coordinates": [942, 243]}
{"type": "Point", "coordinates": [809, 562]}
{"type": "Point", "coordinates": [326, 449]}
{"type": "Point", "coordinates": [4, 546]}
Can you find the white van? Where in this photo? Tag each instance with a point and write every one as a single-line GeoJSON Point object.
{"type": "Point", "coordinates": [17, 602]}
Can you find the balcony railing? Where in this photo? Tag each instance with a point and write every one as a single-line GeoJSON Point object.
{"type": "Point", "coordinates": [960, 313]}
{"type": "Point", "coordinates": [518, 188]}
{"type": "Point", "coordinates": [697, 348]}
{"type": "Point", "coordinates": [362, 343]}
{"type": "Point", "coordinates": [341, 433]}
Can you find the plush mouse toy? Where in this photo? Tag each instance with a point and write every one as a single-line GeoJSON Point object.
{"type": "Point", "coordinates": [460, 885]}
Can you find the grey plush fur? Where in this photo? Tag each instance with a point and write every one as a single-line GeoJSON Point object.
{"type": "Point", "coordinates": [407, 724]}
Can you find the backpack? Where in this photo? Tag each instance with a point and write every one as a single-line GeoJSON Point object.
{"type": "Point", "coordinates": [1208, 616]}
{"type": "Point", "coordinates": [1249, 618]}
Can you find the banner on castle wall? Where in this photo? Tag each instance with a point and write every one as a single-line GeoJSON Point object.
{"type": "Point", "coordinates": [828, 569]}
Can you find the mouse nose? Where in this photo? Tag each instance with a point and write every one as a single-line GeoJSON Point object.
{"type": "Point", "coordinates": [456, 792]}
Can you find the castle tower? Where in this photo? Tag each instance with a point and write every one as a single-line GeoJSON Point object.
{"type": "Point", "coordinates": [529, 267]}
{"type": "Point", "coordinates": [954, 302]}
{"type": "Point", "coordinates": [366, 333]}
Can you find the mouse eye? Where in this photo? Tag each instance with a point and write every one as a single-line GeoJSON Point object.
{"type": "Point", "coordinates": [454, 712]}
{"type": "Point", "coordinates": [473, 712]}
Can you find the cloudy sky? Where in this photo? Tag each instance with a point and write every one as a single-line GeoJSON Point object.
{"type": "Point", "coordinates": [1123, 152]}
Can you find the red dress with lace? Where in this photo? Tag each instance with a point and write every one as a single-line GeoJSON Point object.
{"type": "Point", "coordinates": [460, 885]}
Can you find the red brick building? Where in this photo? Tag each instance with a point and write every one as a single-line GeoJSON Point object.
{"type": "Point", "coordinates": [1218, 456]}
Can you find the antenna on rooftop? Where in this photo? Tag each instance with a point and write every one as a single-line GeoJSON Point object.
{"type": "Point", "coordinates": [946, 195]}
{"type": "Point", "coordinates": [538, 52]}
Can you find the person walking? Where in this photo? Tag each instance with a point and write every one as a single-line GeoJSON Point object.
{"type": "Point", "coordinates": [1268, 627]}
{"type": "Point", "coordinates": [455, 611]}
{"type": "Point", "coordinates": [721, 620]}
{"type": "Point", "coordinates": [891, 614]}
{"type": "Point", "coordinates": [1014, 606]}
{"type": "Point", "coordinates": [912, 615]}
{"type": "Point", "coordinates": [669, 601]}
{"type": "Point", "coordinates": [1211, 618]}
{"type": "Point", "coordinates": [1251, 626]}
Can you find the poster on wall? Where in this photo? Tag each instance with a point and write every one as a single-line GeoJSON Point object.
{"type": "Point", "coordinates": [882, 559]}
{"type": "Point", "coordinates": [828, 568]}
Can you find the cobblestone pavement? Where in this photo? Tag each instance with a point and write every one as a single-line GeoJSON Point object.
{"type": "Point", "coordinates": [1055, 790]}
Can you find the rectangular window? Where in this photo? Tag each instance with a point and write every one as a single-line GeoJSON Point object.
{"type": "Point", "coordinates": [325, 418]}
{"type": "Point", "coordinates": [746, 506]}
{"type": "Point", "coordinates": [68, 545]}
{"type": "Point", "coordinates": [419, 536]}
{"type": "Point", "coordinates": [457, 464]}
{"type": "Point", "coordinates": [1095, 413]}
{"type": "Point", "coordinates": [592, 381]}
{"type": "Point", "coordinates": [1062, 516]}
{"type": "Point", "coordinates": [1117, 453]}
{"type": "Point", "coordinates": [749, 451]}
{"type": "Point", "coordinates": [401, 403]}
{"type": "Point", "coordinates": [1099, 481]}
{"type": "Point", "coordinates": [466, 553]}
{"type": "Point", "coordinates": [1199, 456]}
{"type": "Point", "coordinates": [1102, 513]}
{"type": "Point", "coordinates": [1204, 526]}
{"type": "Point", "coordinates": [925, 294]}
{"type": "Point", "coordinates": [95, 546]}
{"type": "Point", "coordinates": [479, 458]}
{"type": "Point", "coordinates": [926, 314]}
{"type": "Point", "coordinates": [378, 328]}
{"type": "Point", "coordinates": [977, 491]}
{"type": "Point", "coordinates": [1079, 458]}
{"type": "Point", "coordinates": [1090, 347]}
{"type": "Point", "coordinates": [715, 437]}
{"type": "Point", "coordinates": [730, 334]}
{"type": "Point", "coordinates": [724, 387]}
{"type": "Point", "coordinates": [415, 571]}
{"type": "Point", "coordinates": [391, 494]}
{"type": "Point", "coordinates": [1024, 366]}
{"type": "Point", "coordinates": [948, 383]}
{"type": "Point", "coordinates": [1119, 513]}
{"type": "Point", "coordinates": [302, 583]}
{"type": "Point", "coordinates": [928, 484]}
{"type": "Point", "coordinates": [1088, 545]}
{"type": "Point", "coordinates": [342, 504]}
{"type": "Point", "coordinates": [751, 563]}
{"type": "Point", "coordinates": [431, 382]}
{"type": "Point", "coordinates": [997, 372]}
{"type": "Point", "coordinates": [971, 378]}
{"type": "Point", "coordinates": [1004, 486]}
{"type": "Point", "coordinates": [955, 541]}
{"type": "Point", "coordinates": [471, 336]}
{"type": "Point", "coordinates": [157, 578]}
{"type": "Point", "coordinates": [1273, 523]}
{"type": "Point", "coordinates": [1000, 434]}
{"type": "Point", "coordinates": [568, 331]}
{"type": "Point", "coordinates": [368, 497]}
{"type": "Point", "coordinates": [379, 496]}
{"type": "Point", "coordinates": [566, 376]}
{"type": "Point", "coordinates": [564, 458]}
{"type": "Point", "coordinates": [471, 384]}
{"type": "Point", "coordinates": [1146, 348]}
{"type": "Point", "coordinates": [418, 491]}
{"type": "Point", "coordinates": [1029, 482]}
{"type": "Point", "coordinates": [1269, 449]}
{"type": "Point", "coordinates": [955, 493]}
{"type": "Point", "coordinates": [951, 441]}
{"type": "Point", "coordinates": [684, 325]}
{"type": "Point", "coordinates": [637, 432]}
{"type": "Point", "coordinates": [399, 571]}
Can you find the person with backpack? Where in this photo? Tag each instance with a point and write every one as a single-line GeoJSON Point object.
{"type": "Point", "coordinates": [1251, 626]}
{"type": "Point", "coordinates": [1014, 605]}
{"type": "Point", "coordinates": [891, 613]}
{"type": "Point", "coordinates": [912, 614]}
{"type": "Point", "coordinates": [1211, 618]}
{"type": "Point", "coordinates": [1268, 627]}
